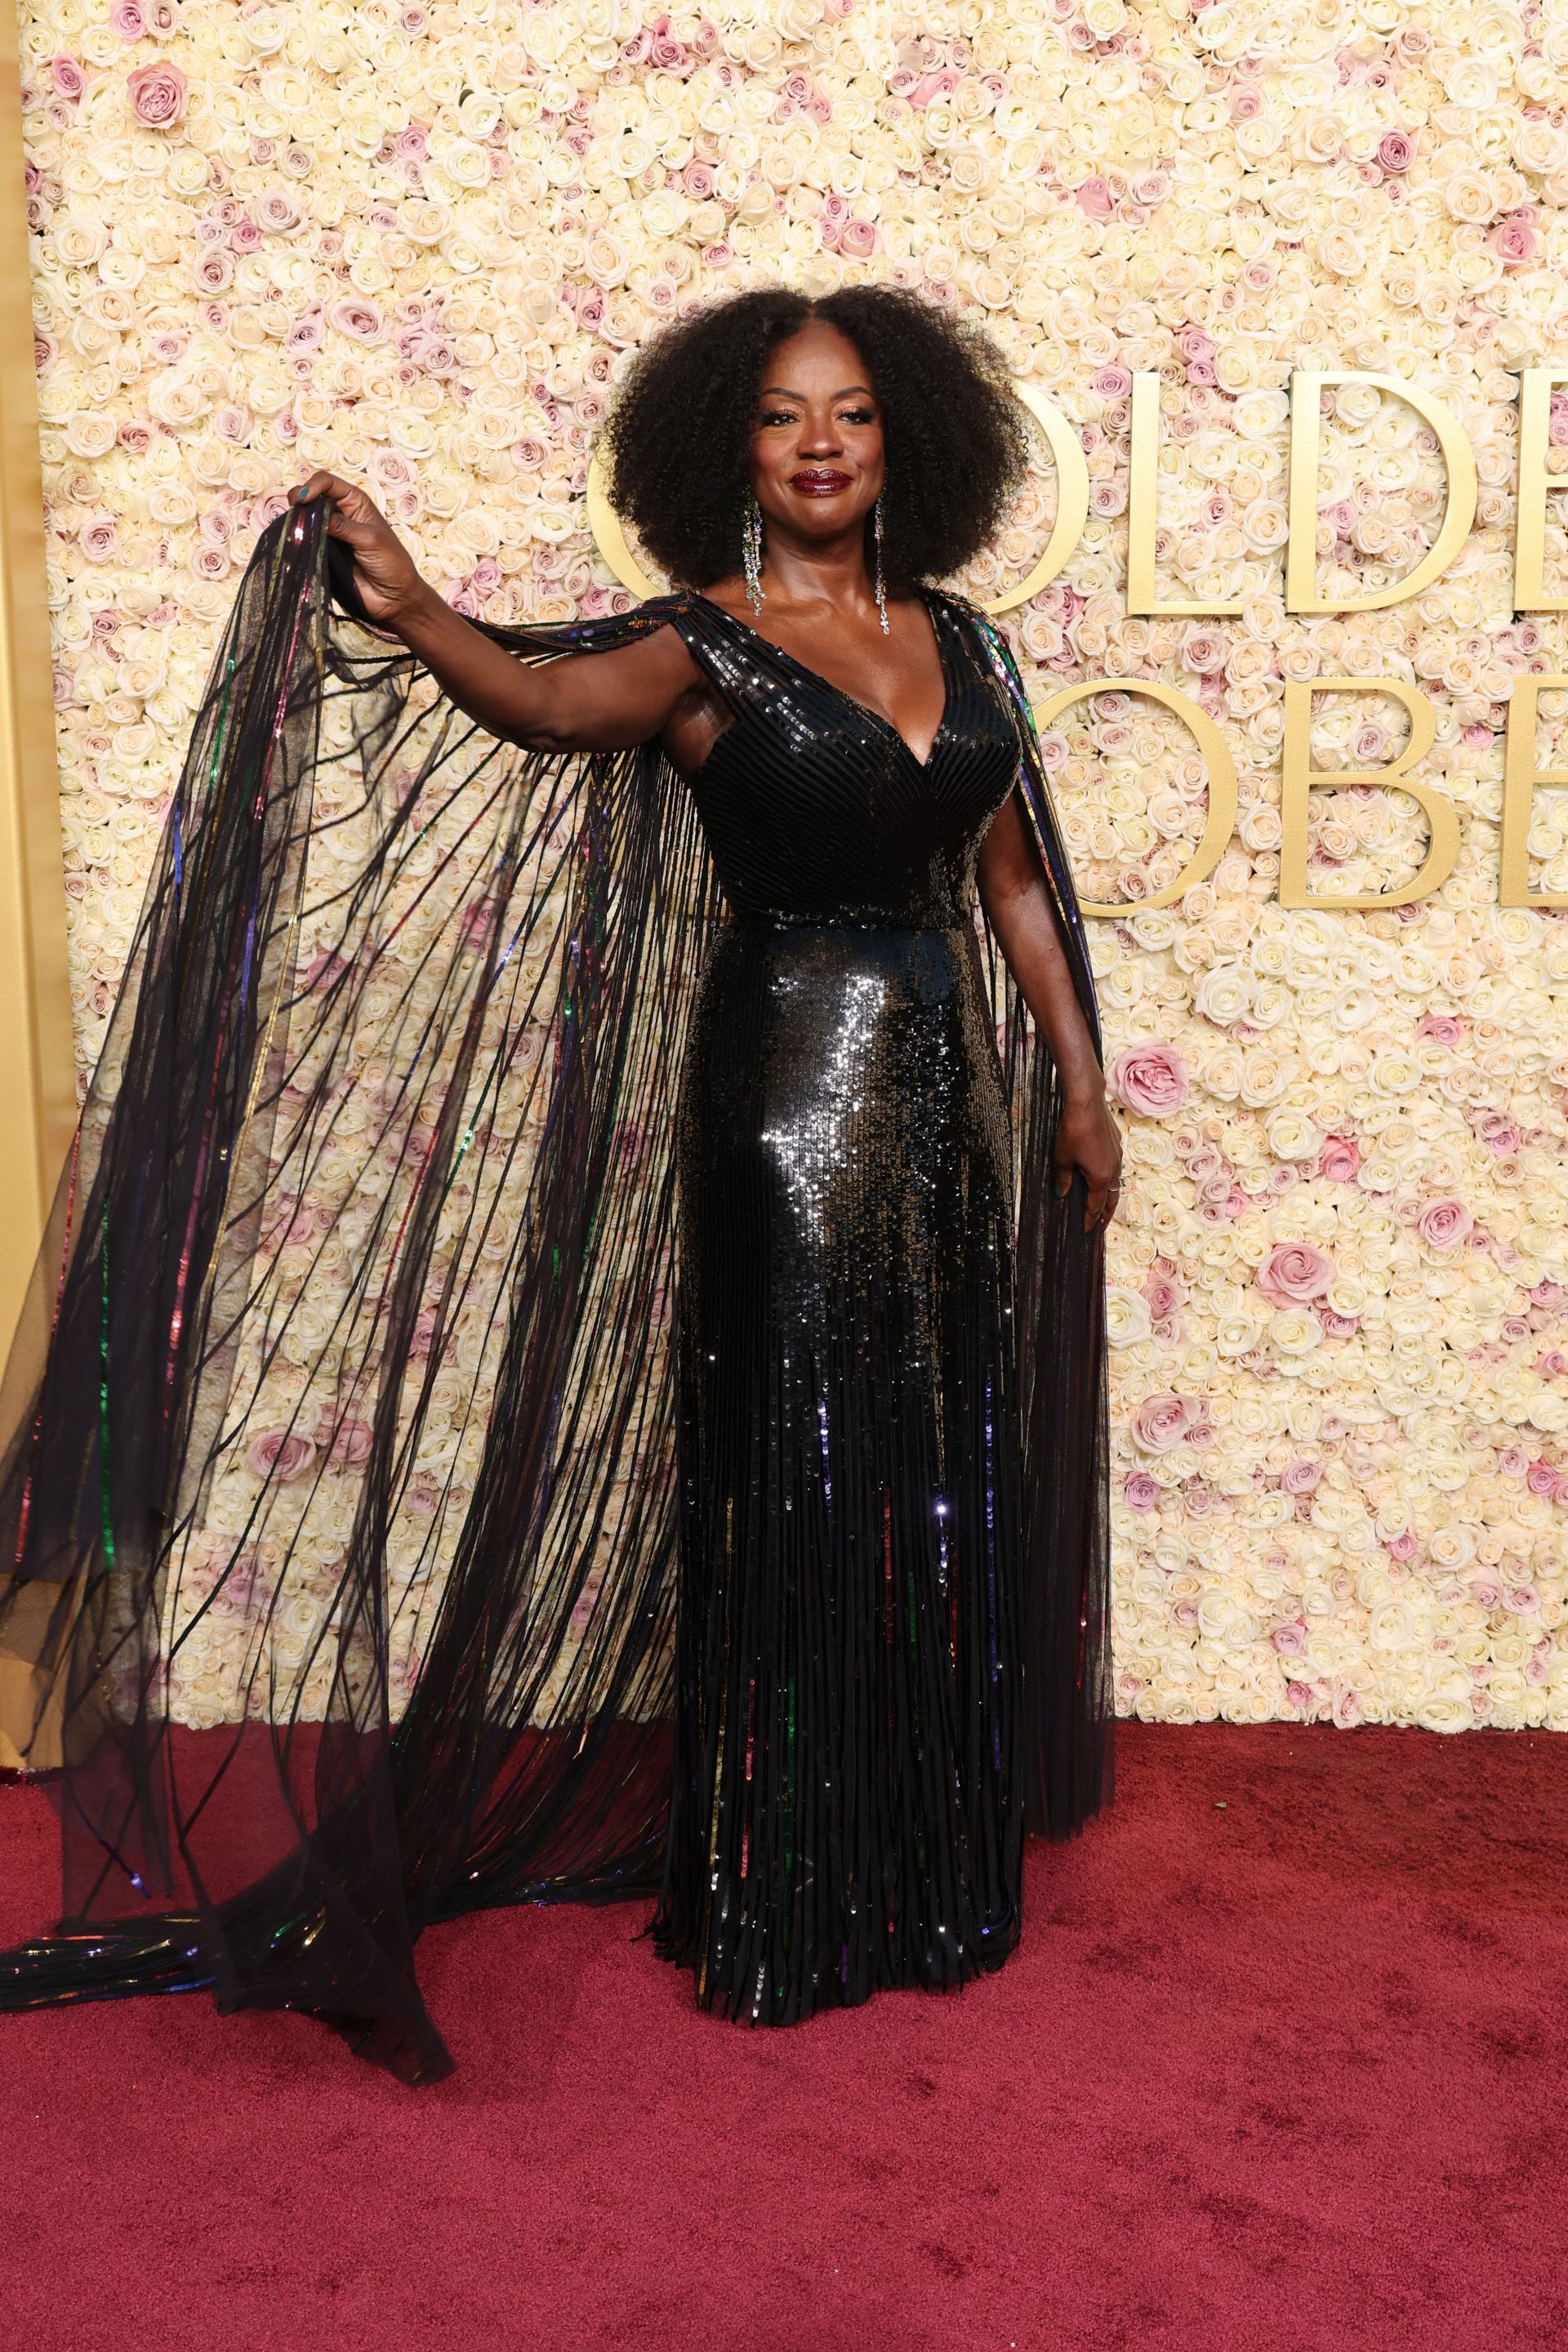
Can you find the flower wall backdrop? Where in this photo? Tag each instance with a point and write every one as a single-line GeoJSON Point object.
{"type": "Point", "coordinates": [414, 241]}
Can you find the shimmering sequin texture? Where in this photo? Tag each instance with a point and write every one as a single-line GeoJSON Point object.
{"type": "Point", "coordinates": [850, 1471]}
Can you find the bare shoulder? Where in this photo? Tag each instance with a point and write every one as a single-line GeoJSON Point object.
{"type": "Point", "coordinates": [605, 700]}
{"type": "Point", "coordinates": [661, 652]}
{"type": "Point", "coordinates": [655, 661]}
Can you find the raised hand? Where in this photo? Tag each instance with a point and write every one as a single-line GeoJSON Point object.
{"type": "Point", "coordinates": [385, 573]}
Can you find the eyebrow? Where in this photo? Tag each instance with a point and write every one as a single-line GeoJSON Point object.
{"type": "Point", "coordinates": [782, 391]}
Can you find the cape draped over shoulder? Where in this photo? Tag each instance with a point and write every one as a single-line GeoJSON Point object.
{"type": "Point", "coordinates": [337, 1506]}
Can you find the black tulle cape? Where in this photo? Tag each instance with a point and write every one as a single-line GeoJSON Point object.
{"type": "Point", "coordinates": [337, 1493]}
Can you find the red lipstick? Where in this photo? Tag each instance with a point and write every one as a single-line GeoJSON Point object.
{"type": "Point", "coordinates": [819, 482]}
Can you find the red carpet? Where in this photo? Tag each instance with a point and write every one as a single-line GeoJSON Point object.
{"type": "Point", "coordinates": [1282, 2064]}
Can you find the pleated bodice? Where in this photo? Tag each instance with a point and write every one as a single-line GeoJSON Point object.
{"type": "Point", "coordinates": [815, 809]}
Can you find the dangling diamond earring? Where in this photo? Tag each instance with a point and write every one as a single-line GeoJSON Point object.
{"type": "Point", "coordinates": [751, 550]}
{"type": "Point", "coordinates": [881, 593]}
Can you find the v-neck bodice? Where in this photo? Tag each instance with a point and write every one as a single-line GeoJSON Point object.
{"type": "Point", "coordinates": [815, 678]}
{"type": "Point", "coordinates": [816, 809]}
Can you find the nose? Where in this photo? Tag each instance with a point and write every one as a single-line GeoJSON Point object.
{"type": "Point", "coordinates": [820, 437]}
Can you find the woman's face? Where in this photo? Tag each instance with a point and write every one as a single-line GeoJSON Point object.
{"type": "Point", "coordinates": [816, 442]}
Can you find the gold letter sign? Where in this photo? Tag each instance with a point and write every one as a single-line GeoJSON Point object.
{"type": "Point", "coordinates": [1301, 554]}
{"type": "Point", "coordinates": [1299, 778]}
{"type": "Point", "coordinates": [1535, 483]}
{"type": "Point", "coordinates": [1221, 820]}
{"type": "Point", "coordinates": [1521, 776]}
{"type": "Point", "coordinates": [1142, 596]}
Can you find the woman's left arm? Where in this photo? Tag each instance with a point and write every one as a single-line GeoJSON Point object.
{"type": "Point", "coordinates": [1015, 896]}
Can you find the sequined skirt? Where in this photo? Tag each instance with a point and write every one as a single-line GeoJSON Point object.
{"type": "Point", "coordinates": [847, 1806]}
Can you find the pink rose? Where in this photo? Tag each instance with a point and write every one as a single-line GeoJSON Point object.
{"type": "Point", "coordinates": [1541, 1478]}
{"type": "Point", "coordinates": [1298, 1694]}
{"type": "Point", "coordinates": [1394, 150]}
{"type": "Point", "coordinates": [1291, 1641]}
{"type": "Point", "coordinates": [423, 1494]}
{"type": "Point", "coordinates": [941, 83]}
{"type": "Point", "coordinates": [479, 921]}
{"type": "Point", "coordinates": [859, 239]}
{"type": "Point", "coordinates": [1401, 1546]}
{"type": "Point", "coordinates": [1203, 649]}
{"type": "Point", "coordinates": [1163, 1297]}
{"type": "Point", "coordinates": [359, 318]}
{"type": "Point", "coordinates": [279, 1453]}
{"type": "Point", "coordinates": [1295, 1273]}
{"type": "Point", "coordinates": [324, 970]}
{"type": "Point", "coordinates": [128, 20]}
{"type": "Point", "coordinates": [1444, 1029]}
{"type": "Point", "coordinates": [1300, 1477]}
{"type": "Point", "coordinates": [351, 1443]}
{"type": "Point", "coordinates": [67, 76]}
{"type": "Point", "coordinates": [246, 1582]}
{"type": "Point", "coordinates": [1095, 198]}
{"type": "Point", "coordinates": [1498, 1133]}
{"type": "Point", "coordinates": [99, 538]}
{"type": "Point", "coordinates": [1164, 1421]}
{"type": "Point", "coordinates": [1141, 1492]}
{"type": "Point", "coordinates": [1513, 240]}
{"type": "Point", "coordinates": [1513, 1461]}
{"type": "Point", "coordinates": [157, 94]}
{"type": "Point", "coordinates": [1444, 1225]}
{"type": "Point", "coordinates": [1150, 1080]}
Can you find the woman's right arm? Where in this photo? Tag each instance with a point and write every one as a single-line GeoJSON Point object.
{"type": "Point", "coordinates": [581, 702]}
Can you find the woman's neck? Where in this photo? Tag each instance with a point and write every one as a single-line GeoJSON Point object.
{"type": "Point", "coordinates": [796, 573]}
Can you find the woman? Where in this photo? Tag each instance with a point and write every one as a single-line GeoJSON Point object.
{"type": "Point", "coordinates": [883, 1496]}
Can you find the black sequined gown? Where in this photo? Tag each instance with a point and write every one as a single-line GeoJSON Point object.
{"type": "Point", "coordinates": [847, 1803]}
{"type": "Point", "coordinates": [364, 1540]}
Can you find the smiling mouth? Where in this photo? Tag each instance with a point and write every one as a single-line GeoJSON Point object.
{"type": "Point", "coordinates": [819, 482]}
